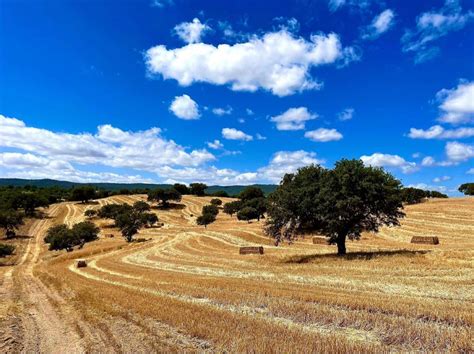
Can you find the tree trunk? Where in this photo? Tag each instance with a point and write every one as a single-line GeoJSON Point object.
{"type": "Point", "coordinates": [341, 245]}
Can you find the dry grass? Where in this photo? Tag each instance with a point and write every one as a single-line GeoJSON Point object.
{"type": "Point", "coordinates": [188, 289]}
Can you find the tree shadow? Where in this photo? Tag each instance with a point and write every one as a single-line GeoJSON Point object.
{"type": "Point", "coordinates": [169, 206]}
{"type": "Point", "coordinates": [18, 237]}
{"type": "Point", "coordinates": [90, 202]}
{"type": "Point", "coordinates": [362, 255]}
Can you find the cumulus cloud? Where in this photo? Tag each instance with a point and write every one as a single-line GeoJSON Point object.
{"type": "Point", "coordinates": [184, 107]}
{"type": "Point", "coordinates": [161, 3]}
{"type": "Point", "coordinates": [287, 162]}
{"type": "Point", "coordinates": [346, 114]}
{"type": "Point", "coordinates": [293, 119]}
{"type": "Point", "coordinates": [222, 111]}
{"type": "Point", "coordinates": [380, 24]}
{"type": "Point", "coordinates": [216, 144]}
{"type": "Point", "coordinates": [235, 134]}
{"type": "Point", "coordinates": [323, 135]}
{"type": "Point", "coordinates": [387, 160]}
{"type": "Point", "coordinates": [191, 32]}
{"type": "Point", "coordinates": [441, 179]}
{"type": "Point", "coordinates": [457, 104]}
{"type": "Point", "coordinates": [260, 137]}
{"type": "Point", "coordinates": [277, 62]}
{"type": "Point", "coordinates": [427, 187]}
{"type": "Point", "coordinates": [438, 132]}
{"type": "Point", "coordinates": [433, 25]}
{"type": "Point", "coordinates": [470, 171]}
{"type": "Point", "coordinates": [458, 152]}
{"type": "Point", "coordinates": [428, 161]}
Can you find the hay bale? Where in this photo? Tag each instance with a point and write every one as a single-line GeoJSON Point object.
{"type": "Point", "coordinates": [251, 250]}
{"type": "Point", "coordinates": [81, 263]}
{"type": "Point", "coordinates": [320, 240]}
{"type": "Point", "coordinates": [427, 240]}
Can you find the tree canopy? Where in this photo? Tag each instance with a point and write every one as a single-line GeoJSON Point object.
{"type": "Point", "coordinates": [339, 203]}
{"type": "Point", "coordinates": [198, 189]}
{"type": "Point", "coordinates": [164, 196]}
{"type": "Point", "coordinates": [467, 188]}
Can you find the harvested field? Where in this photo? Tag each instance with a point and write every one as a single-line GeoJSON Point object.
{"type": "Point", "coordinates": [189, 289]}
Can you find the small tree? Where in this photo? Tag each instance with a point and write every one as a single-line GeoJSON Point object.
{"type": "Point", "coordinates": [338, 203]}
{"type": "Point", "coordinates": [29, 201]}
{"type": "Point", "coordinates": [141, 206]}
{"type": "Point", "coordinates": [216, 202]}
{"type": "Point", "coordinates": [467, 188]}
{"type": "Point", "coordinates": [181, 188]}
{"type": "Point", "coordinates": [412, 195]}
{"type": "Point", "coordinates": [259, 204]}
{"type": "Point", "coordinates": [164, 196]}
{"type": "Point", "coordinates": [61, 237]}
{"type": "Point", "coordinates": [90, 213]}
{"type": "Point", "coordinates": [198, 189]}
{"type": "Point", "coordinates": [85, 231]}
{"type": "Point", "coordinates": [10, 221]}
{"type": "Point", "coordinates": [248, 213]}
{"type": "Point", "coordinates": [210, 209]}
{"type": "Point", "coordinates": [232, 207]}
{"type": "Point", "coordinates": [251, 192]}
{"type": "Point", "coordinates": [205, 219]}
{"type": "Point", "coordinates": [83, 194]}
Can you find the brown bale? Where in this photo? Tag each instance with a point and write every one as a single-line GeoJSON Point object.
{"type": "Point", "coordinates": [320, 240]}
{"type": "Point", "coordinates": [427, 240]}
{"type": "Point", "coordinates": [81, 263]}
{"type": "Point", "coordinates": [251, 250]}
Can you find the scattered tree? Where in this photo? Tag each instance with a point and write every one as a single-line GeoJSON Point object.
{"type": "Point", "coordinates": [339, 203]}
{"type": "Point", "coordinates": [248, 214]}
{"type": "Point", "coordinates": [210, 209]}
{"type": "Point", "coordinates": [205, 219]}
{"type": "Point", "coordinates": [251, 192]}
{"type": "Point", "coordinates": [232, 207]}
{"type": "Point", "coordinates": [412, 195]}
{"type": "Point", "coordinates": [83, 194]}
{"type": "Point", "coordinates": [259, 204]}
{"type": "Point", "coordinates": [221, 194]}
{"type": "Point", "coordinates": [6, 250]}
{"type": "Point", "coordinates": [216, 202]}
{"type": "Point", "coordinates": [90, 213]}
{"type": "Point", "coordinates": [85, 231]}
{"type": "Point", "coordinates": [10, 220]}
{"type": "Point", "coordinates": [29, 201]}
{"type": "Point", "coordinates": [141, 206]}
{"type": "Point", "coordinates": [198, 189]}
{"type": "Point", "coordinates": [61, 237]}
{"type": "Point", "coordinates": [467, 188]}
{"type": "Point", "coordinates": [164, 196]}
{"type": "Point", "coordinates": [181, 188]}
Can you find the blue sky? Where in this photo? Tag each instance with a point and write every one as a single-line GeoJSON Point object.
{"type": "Point", "coordinates": [236, 92]}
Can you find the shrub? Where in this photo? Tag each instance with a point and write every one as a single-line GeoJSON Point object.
{"type": "Point", "coordinates": [90, 213]}
{"type": "Point", "coordinates": [210, 209]}
{"type": "Point", "coordinates": [6, 250]}
{"type": "Point", "coordinates": [216, 202]}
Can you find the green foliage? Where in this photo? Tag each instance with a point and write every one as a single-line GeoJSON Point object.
{"type": "Point", "coordinates": [90, 213]}
{"type": "Point", "coordinates": [6, 250]}
{"type": "Point", "coordinates": [110, 211]}
{"type": "Point", "coordinates": [232, 207]}
{"type": "Point", "coordinates": [467, 188]}
{"type": "Point", "coordinates": [220, 193]}
{"type": "Point", "coordinates": [248, 213]}
{"type": "Point", "coordinates": [61, 237]}
{"type": "Point", "coordinates": [216, 202]}
{"type": "Point", "coordinates": [339, 203]}
{"type": "Point", "coordinates": [10, 220]}
{"type": "Point", "coordinates": [435, 194]}
{"type": "Point", "coordinates": [251, 192]}
{"type": "Point", "coordinates": [181, 188]}
{"type": "Point", "coordinates": [259, 204]}
{"type": "Point", "coordinates": [164, 196]}
{"type": "Point", "coordinates": [412, 195]}
{"type": "Point", "coordinates": [141, 206]}
{"type": "Point", "coordinates": [206, 219]}
{"type": "Point", "coordinates": [83, 194]}
{"type": "Point", "coordinates": [210, 209]}
{"type": "Point", "coordinates": [198, 189]}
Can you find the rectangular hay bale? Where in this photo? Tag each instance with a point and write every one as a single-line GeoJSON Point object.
{"type": "Point", "coordinates": [251, 250]}
{"type": "Point", "coordinates": [320, 241]}
{"type": "Point", "coordinates": [81, 263]}
{"type": "Point", "coordinates": [427, 240]}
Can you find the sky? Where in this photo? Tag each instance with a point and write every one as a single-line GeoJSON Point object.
{"type": "Point", "coordinates": [236, 92]}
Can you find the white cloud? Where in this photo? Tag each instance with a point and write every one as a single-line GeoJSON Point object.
{"type": "Point", "coordinates": [278, 62]}
{"type": "Point", "coordinates": [241, 120]}
{"type": "Point", "coordinates": [184, 107]}
{"type": "Point", "coordinates": [470, 171]}
{"type": "Point", "coordinates": [427, 187]}
{"type": "Point", "coordinates": [380, 24]}
{"type": "Point", "coordinates": [458, 152]}
{"type": "Point", "coordinates": [428, 161]}
{"type": "Point", "coordinates": [323, 135]}
{"type": "Point", "coordinates": [249, 112]}
{"type": "Point", "coordinates": [110, 146]}
{"type": "Point", "coordinates": [191, 32]}
{"type": "Point", "coordinates": [216, 144]}
{"type": "Point", "coordinates": [235, 134]}
{"type": "Point", "coordinates": [260, 137]}
{"type": "Point", "coordinates": [346, 114]}
{"type": "Point", "coordinates": [386, 160]}
{"type": "Point", "coordinates": [293, 119]}
{"type": "Point", "coordinates": [438, 132]}
{"type": "Point", "coordinates": [441, 179]}
{"type": "Point", "coordinates": [457, 104]}
{"type": "Point", "coordinates": [287, 162]}
{"type": "Point", "coordinates": [222, 111]}
{"type": "Point", "coordinates": [161, 3]}
{"type": "Point", "coordinates": [432, 25]}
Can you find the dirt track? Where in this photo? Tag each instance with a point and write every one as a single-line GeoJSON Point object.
{"type": "Point", "coordinates": [188, 289]}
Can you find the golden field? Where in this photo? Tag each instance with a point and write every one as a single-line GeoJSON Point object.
{"type": "Point", "coordinates": [188, 289]}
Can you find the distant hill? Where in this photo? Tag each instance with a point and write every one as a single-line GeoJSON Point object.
{"type": "Point", "coordinates": [18, 182]}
